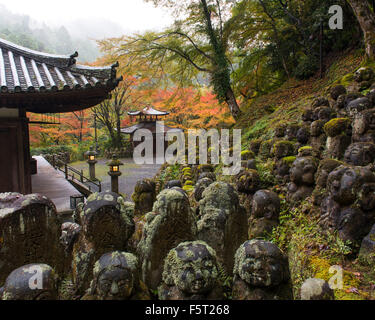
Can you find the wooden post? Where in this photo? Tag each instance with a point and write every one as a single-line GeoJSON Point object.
{"type": "Point", "coordinates": [66, 172]}
{"type": "Point", "coordinates": [82, 176]}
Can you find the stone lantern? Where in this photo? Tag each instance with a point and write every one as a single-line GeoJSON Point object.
{"type": "Point", "coordinates": [114, 172]}
{"type": "Point", "coordinates": [91, 160]}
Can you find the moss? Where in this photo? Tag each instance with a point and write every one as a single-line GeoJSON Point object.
{"type": "Point", "coordinates": [306, 148]}
{"type": "Point", "coordinates": [247, 155]}
{"type": "Point", "coordinates": [336, 126]}
{"type": "Point", "coordinates": [289, 160]}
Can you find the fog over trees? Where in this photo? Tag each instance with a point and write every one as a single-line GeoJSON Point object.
{"type": "Point", "coordinates": [60, 38]}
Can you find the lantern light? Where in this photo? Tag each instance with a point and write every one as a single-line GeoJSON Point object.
{"type": "Point", "coordinates": [91, 154]}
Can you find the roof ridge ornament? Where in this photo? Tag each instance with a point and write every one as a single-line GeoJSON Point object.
{"type": "Point", "coordinates": [72, 60]}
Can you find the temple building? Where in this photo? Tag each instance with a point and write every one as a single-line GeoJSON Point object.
{"type": "Point", "coordinates": [37, 82]}
{"type": "Point", "coordinates": [147, 119]}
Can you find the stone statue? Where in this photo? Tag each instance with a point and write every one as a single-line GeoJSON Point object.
{"type": "Point", "coordinates": [107, 225]}
{"type": "Point", "coordinates": [115, 277]}
{"type": "Point", "coordinates": [170, 223]}
{"type": "Point", "coordinates": [302, 176]}
{"type": "Point", "coordinates": [31, 282]}
{"type": "Point", "coordinates": [265, 212]}
{"type": "Point", "coordinates": [261, 272]}
{"type": "Point", "coordinates": [223, 222]}
{"type": "Point", "coordinates": [191, 272]}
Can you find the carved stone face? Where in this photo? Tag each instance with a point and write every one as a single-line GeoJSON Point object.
{"type": "Point", "coordinates": [266, 204]}
{"type": "Point", "coordinates": [17, 285]}
{"type": "Point", "coordinates": [341, 183]}
{"type": "Point", "coordinates": [114, 276]}
{"type": "Point", "coordinates": [346, 184]}
{"type": "Point", "coordinates": [261, 264]}
{"type": "Point", "coordinates": [317, 128]}
{"type": "Point", "coordinates": [192, 267]}
{"type": "Point", "coordinates": [360, 154]}
{"type": "Point", "coordinates": [303, 171]}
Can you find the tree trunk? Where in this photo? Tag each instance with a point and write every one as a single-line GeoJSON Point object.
{"type": "Point", "coordinates": [366, 19]}
{"type": "Point", "coordinates": [231, 101]}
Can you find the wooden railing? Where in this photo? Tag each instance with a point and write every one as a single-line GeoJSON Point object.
{"type": "Point", "coordinates": [71, 173]}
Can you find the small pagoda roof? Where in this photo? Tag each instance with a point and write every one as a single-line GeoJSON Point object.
{"type": "Point", "coordinates": [49, 83]}
{"type": "Point", "coordinates": [149, 126]}
{"type": "Point", "coordinates": [148, 111]}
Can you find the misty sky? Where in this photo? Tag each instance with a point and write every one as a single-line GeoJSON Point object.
{"type": "Point", "coordinates": [131, 15]}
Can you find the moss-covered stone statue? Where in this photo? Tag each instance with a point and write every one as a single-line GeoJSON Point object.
{"type": "Point", "coordinates": [247, 183]}
{"type": "Point", "coordinates": [339, 133]}
{"type": "Point", "coordinates": [223, 222]}
{"type": "Point", "coordinates": [326, 166]}
{"type": "Point", "coordinates": [201, 185]}
{"type": "Point", "coordinates": [318, 138]}
{"type": "Point", "coordinates": [191, 272]}
{"type": "Point", "coordinates": [29, 233]}
{"type": "Point", "coordinates": [107, 225]}
{"type": "Point", "coordinates": [360, 154]}
{"type": "Point", "coordinates": [302, 177]}
{"type": "Point", "coordinates": [349, 206]}
{"type": "Point", "coordinates": [261, 272]}
{"type": "Point", "coordinates": [364, 126]}
{"type": "Point", "coordinates": [31, 282]}
{"type": "Point", "coordinates": [367, 252]}
{"type": "Point", "coordinates": [115, 277]}
{"type": "Point", "coordinates": [170, 223]}
{"type": "Point", "coordinates": [265, 211]}
{"type": "Point", "coordinates": [144, 196]}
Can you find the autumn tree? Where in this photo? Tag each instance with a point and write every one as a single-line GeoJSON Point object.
{"type": "Point", "coordinates": [194, 49]}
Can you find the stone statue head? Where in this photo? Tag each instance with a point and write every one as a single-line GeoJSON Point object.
{"type": "Point", "coordinates": [316, 128]}
{"type": "Point", "coordinates": [31, 282]}
{"type": "Point", "coordinates": [192, 267]}
{"type": "Point", "coordinates": [265, 204]}
{"type": "Point", "coordinates": [247, 181]}
{"type": "Point", "coordinates": [360, 153]}
{"type": "Point", "coordinates": [107, 220]}
{"type": "Point", "coordinates": [261, 264]}
{"type": "Point", "coordinates": [303, 171]}
{"type": "Point", "coordinates": [171, 199]}
{"type": "Point", "coordinates": [346, 183]}
{"type": "Point", "coordinates": [114, 276]}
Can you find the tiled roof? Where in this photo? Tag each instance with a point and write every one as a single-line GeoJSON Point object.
{"type": "Point", "coordinates": [147, 125]}
{"type": "Point", "coordinates": [25, 70]}
{"type": "Point", "coordinates": [148, 111]}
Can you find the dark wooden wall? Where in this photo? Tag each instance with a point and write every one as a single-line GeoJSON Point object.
{"type": "Point", "coordinates": [15, 173]}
